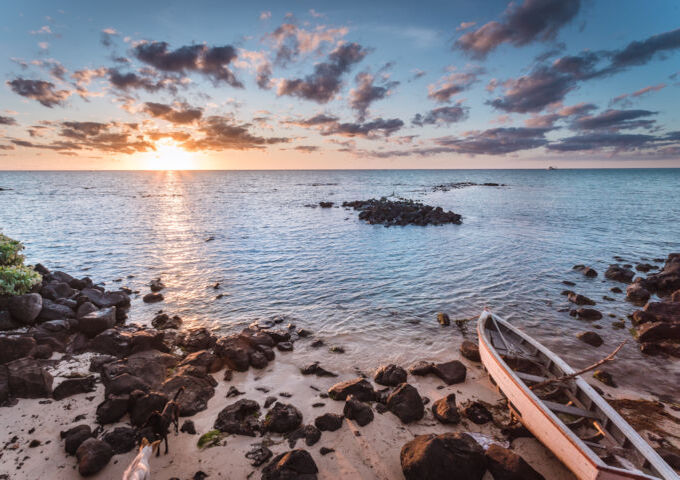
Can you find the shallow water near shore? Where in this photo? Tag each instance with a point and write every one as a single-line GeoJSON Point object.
{"type": "Point", "coordinates": [372, 290]}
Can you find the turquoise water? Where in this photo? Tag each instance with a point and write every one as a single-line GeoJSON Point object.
{"type": "Point", "coordinates": [374, 290]}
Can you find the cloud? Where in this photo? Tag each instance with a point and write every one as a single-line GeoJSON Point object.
{"type": "Point", "coordinates": [548, 120]}
{"type": "Point", "coordinates": [465, 26]}
{"type": "Point", "coordinates": [315, 121]}
{"type": "Point", "coordinates": [107, 36]}
{"type": "Point", "coordinates": [373, 129]}
{"type": "Point", "coordinates": [213, 62]}
{"type": "Point", "coordinates": [533, 92]}
{"type": "Point", "coordinates": [367, 92]}
{"type": "Point", "coordinates": [641, 52]}
{"type": "Point", "coordinates": [39, 90]}
{"type": "Point", "coordinates": [44, 45]}
{"type": "Point", "coordinates": [322, 85]}
{"type": "Point", "coordinates": [7, 120]}
{"type": "Point", "coordinates": [533, 20]}
{"type": "Point", "coordinates": [185, 114]}
{"type": "Point", "coordinates": [132, 81]}
{"type": "Point", "coordinates": [221, 134]}
{"type": "Point", "coordinates": [625, 99]}
{"type": "Point", "coordinates": [441, 116]}
{"type": "Point", "coordinates": [44, 30]}
{"type": "Point", "coordinates": [290, 40]}
{"type": "Point", "coordinates": [496, 141]}
{"type": "Point", "coordinates": [601, 141]}
{"type": "Point", "coordinates": [307, 148]}
{"type": "Point", "coordinates": [614, 120]}
{"type": "Point", "coordinates": [452, 84]}
{"type": "Point", "coordinates": [266, 15]}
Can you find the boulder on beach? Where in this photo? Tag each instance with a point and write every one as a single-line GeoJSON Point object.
{"type": "Point", "coordinates": [421, 368]}
{"type": "Point", "coordinates": [93, 455]}
{"type": "Point", "coordinates": [13, 347]}
{"type": "Point", "coordinates": [359, 387]}
{"type": "Point", "coordinates": [142, 406]}
{"type": "Point", "coordinates": [96, 322]}
{"type": "Point", "coordinates": [449, 456]}
{"type": "Point", "coordinates": [358, 411]}
{"type": "Point", "coordinates": [27, 378]}
{"type": "Point", "coordinates": [451, 372]}
{"type": "Point", "coordinates": [504, 464]}
{"type": "Point", "coordinates": [658, 331]}
{"type": "Point", "coordinates": [666, 281]}
{"type": "Point", "coordinates": [445, 409]}
{"type": "Point", "coordinates": [112, 409]}
{"type": "Point", "coordinates": [194, 398]}
{"type": "Point", "coordinates": [163, 321]}
{"type": "Point", "coordinates": [25, 308]}
{"type": "Point", "coordinates": [328, 422]}
{"type": "Point", "coordinates": [54, 311]}
{"type": "Point", "coordinates": [405, 402]}
{"type": "Point", "coordinates": [477, 413]}
{"type": "Point", "coordinates": [121, 439]}
{"type": "Point", "coordinates": [637, 294]}
{"type": "Point", "coordinates": [240, 418]}
{"type": "Point", "coordinates": [309, 433]}
{"type": "Point", "coordinates": [75, 436]}
{"type": "Point", "coordinates": [74, 386]}
{"type": "Point", "coordinates": [390, 375]}
{"type": "Point", "coordinates": [282, 418]}
{"type": "Point", "coordinates": [295, 464]}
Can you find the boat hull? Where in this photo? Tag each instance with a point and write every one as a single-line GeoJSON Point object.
{"type": "Point", "coordinates": [543, 424]}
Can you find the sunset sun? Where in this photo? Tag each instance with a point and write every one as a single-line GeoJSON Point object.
{"type": "Point", "coordinates": [168, 156]}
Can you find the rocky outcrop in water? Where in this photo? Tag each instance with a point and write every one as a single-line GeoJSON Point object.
{"type": "Point", "coordinates": [401, 213]}
{"type": "Point", "coordinates": [445, 187]}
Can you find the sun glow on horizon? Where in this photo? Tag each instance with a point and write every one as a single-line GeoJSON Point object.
{"type": "Point", "coordinates": [168, 156]}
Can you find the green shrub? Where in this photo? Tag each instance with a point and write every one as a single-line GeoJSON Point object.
{"type": "Point", "coordinates": [9, 251]}
{"type": "Point", "coordinates": [17, 279]}
{"type": "Point", "coordinates": [210, 439]}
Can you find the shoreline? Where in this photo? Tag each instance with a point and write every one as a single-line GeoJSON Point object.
{"type": "Point", "coordinates": [90, 353]}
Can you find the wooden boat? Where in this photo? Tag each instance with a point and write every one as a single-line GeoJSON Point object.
{"type": "Point", "coordinates": [569, 417]}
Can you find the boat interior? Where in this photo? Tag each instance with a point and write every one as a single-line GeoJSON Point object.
{"type": "Point", "coordinates": [571, 403]}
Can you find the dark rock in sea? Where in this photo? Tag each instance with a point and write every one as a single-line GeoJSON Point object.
{"type": "Point", "coordinates": [608, 298]}
{"type": "Point", "coordinates": [615, 290]}
{"type": "Point", "coordinates": [591, 338]}
{"type": "Point", "coordinates": [196, 339]}
{"type": "Point", "coordinates": [470, 350]}
{"type": "Point", "coordinates": [93, 455]}
{"type": "Point", "coordinates": [188, 427]}
{"type": "Point", "coordinates": [449, 456]}
{"type": "Point", "coordinates": [390, 375]}
{"type": "Point", "coordinates": [604, 377]}
{"type": "Point", "coordinates": [328, 422]}
{"type": "Point", "coordinates": [451, 372]}
{"type": "Point", "coordinates": [445, 187]}
{"type": "Point", "coordinates": [443, 319]}
{"type": "Point", "coordinates": [282, 418]}
{"type": "Point", "coordinates": [445, 409]}
{"type": "Point", "coordinates": [589, 272]}
{"type": "Point", "coordinates": [504, 464]}
{"type": "Point", "coordinates": [316, 369]}
{"type": "Point", "coordinates": [194, 398]}
{"type": "Point", "coordinates": [240, 418]}
{"type": "Point", "coordinates": [27, 378]}
{"type": "Point", "coordinates": [588, 314]}
{"type": "Point", "coordinates": [57, 290]}
{"type": "Point", "coordinates": [358, 411]}
{"type": "Point", "coordinates": [645, 267]}
{"type": "Point", "coordinates": [421, 368]}
{"type": "Point", "coordinates": [477, 413]}
{"type": "Point", "coordinates": [296, 464]}
{"type": "Point", "coordinates": [102, 299]}
{"type": "Point", "coordinates": [121, 439]}
{"type": "Point", "coordinates": [257, 359]}
{"type": "Point", "coordinates": [309, 433]}
{"type": "Point", "coordinates": [401, 212]}
{"type": "Point", "coordinates": [359, 387]}
{"type": "Point", "coordinates": [84, 309]}
{"type": "Point", "coordinates": [326, 204]}
{"type": "Point", "coordinates": [14, 347]}
{"type": "Point", "coordinates": [156, 285]}
{"type": "Point", "coordinates": [74, 437]}
{"type": "Point", "coordinates": [579, 299]}
{"type": "Point", "coordinates": [568, 283]}
{"type": "Point", "coordinates": [619, 274]}
{"type": "Point", "coordinates": [658, 331]}
{"type": "Point", "coordinates": [405, 402]}
{"type": "Point", "coordinates": [112, 409]}
{"type": "Point", "coordinates": [284, 346]}
{"type": "Point", "coordinates": [153, 297]}
{"type": "Point", "coordinates": [25, 308]}
{"type": "Point", "coordinates": [74, 386]}
{"type": "Point", "coordinates": [637, 294]}
{"type": "Point", "coordinates": [163, 321]}
{"type": "Point", "coordinates": [336, 349]}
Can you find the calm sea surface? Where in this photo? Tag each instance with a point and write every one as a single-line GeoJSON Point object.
{"type": "Point", "coordinates": [373, 290]}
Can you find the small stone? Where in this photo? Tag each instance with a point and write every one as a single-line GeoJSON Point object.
{"type": "Point", "coordinates": [604, 377]}
{"type": "Point", "coordinates": [443, 319]}
{"type": "Point", "coordinates": [591, 338]}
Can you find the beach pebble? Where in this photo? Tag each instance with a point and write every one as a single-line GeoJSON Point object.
{"type": "Point", "coordinates": [445, 409]}
{"type": "Point", "coordinates": [405, 402]}
{"type": "Point", "coordinates": [477, 413]}
{"type": "Point", "coordinates": [359, 387]}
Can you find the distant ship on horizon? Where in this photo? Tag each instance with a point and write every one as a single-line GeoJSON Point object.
{"type": "Point", "coordinates": [552, 168]}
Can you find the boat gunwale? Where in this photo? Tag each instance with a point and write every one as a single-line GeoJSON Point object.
{"type": "Point", "coordinates": [638, 443]}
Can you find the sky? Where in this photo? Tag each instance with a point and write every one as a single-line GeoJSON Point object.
{"type": "Point", "coordinates": [339, 85]}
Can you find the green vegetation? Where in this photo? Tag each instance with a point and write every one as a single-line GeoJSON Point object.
{"type": "Point", "coordinates": [210, 439]}
{"type": "Point", "coordinates": [15, 277]}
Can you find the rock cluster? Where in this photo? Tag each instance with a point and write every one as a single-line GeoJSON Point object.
{"type": "Point", "coordinates": [445, 187]}
{"type": "Point", "coordinates": [401, 212]}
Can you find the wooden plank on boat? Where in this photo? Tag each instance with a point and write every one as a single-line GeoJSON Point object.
{"type": "Point", "coordinates": [527, 377]}
{"type": "Point", "coordinates": [569, 410]}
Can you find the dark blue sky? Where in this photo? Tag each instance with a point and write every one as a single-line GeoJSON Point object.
{"type": "Point", "coordinates": [465, 84]}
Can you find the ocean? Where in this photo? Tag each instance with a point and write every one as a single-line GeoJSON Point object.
{"type": "Point", "coordinates": [375, 291]}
